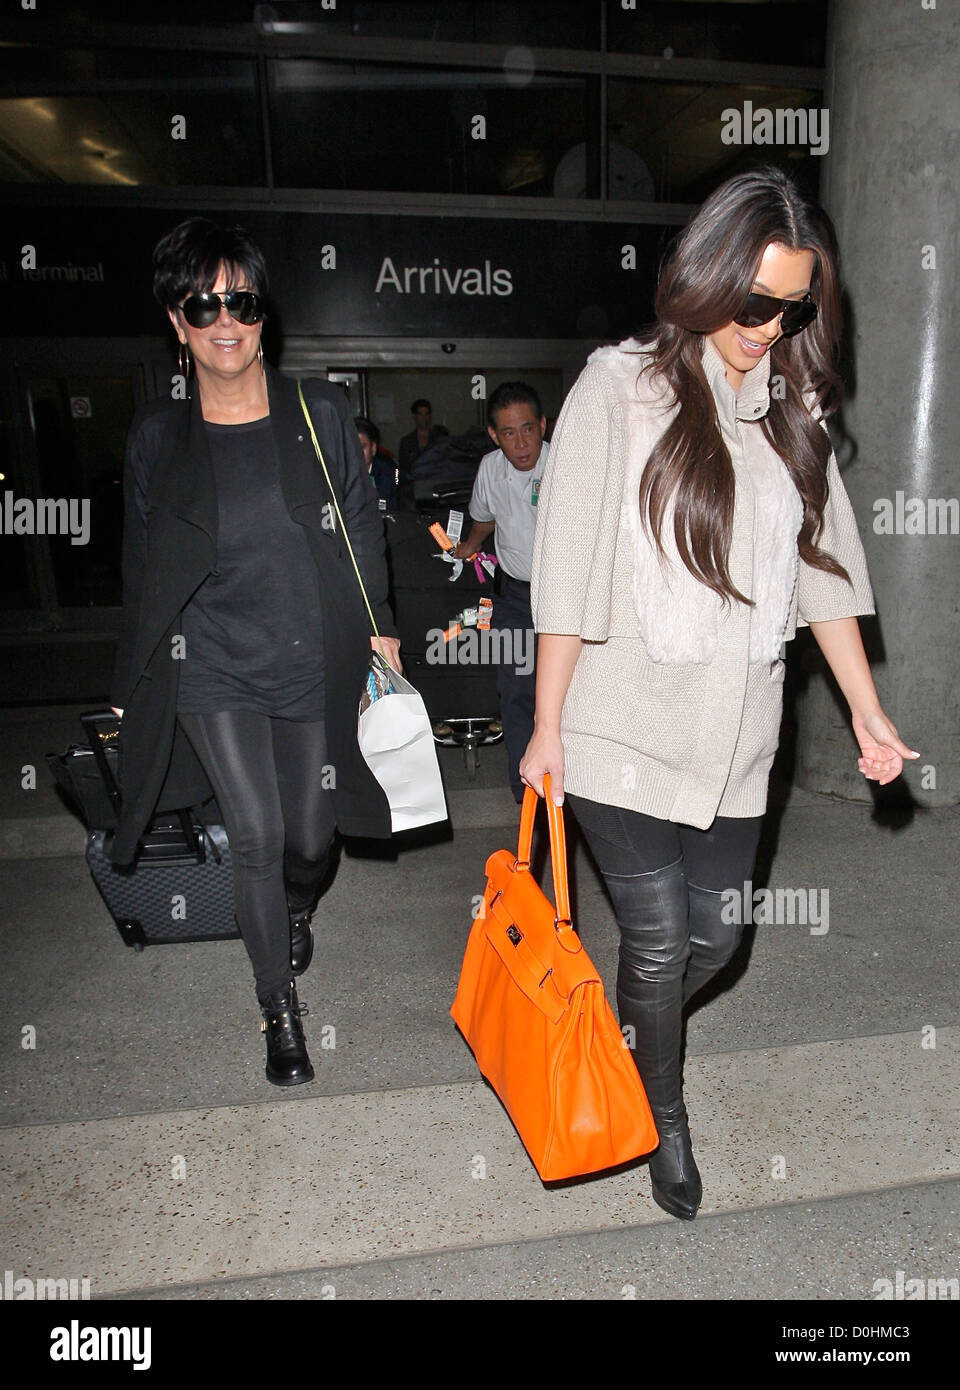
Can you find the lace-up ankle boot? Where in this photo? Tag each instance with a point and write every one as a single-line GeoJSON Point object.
{"type": "Point", "coordinates": [287, 1060]}
{"type": "Point", "coordinates": [301, 942]}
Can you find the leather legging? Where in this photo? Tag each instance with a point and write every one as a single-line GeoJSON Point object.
{"type": "Point", "coordinates": [666, 882]}
{"type": "Point", "coordinates": [271, 780]}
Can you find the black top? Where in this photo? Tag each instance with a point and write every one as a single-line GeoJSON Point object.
{"type": "Point", "coordinates": [252, 631]}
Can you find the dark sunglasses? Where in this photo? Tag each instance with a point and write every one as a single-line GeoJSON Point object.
{"type": "Point", "coordinates": [200, 310]}
{"type": "Point", "coordinates": [794, 314]}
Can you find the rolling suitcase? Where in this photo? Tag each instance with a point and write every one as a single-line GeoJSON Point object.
{"type": "Point", "coordinates": [181, 886]}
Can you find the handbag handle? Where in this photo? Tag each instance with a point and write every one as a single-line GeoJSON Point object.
{"type": "Point", "coordinates": [566, 936]}
{"type": "Point", "coordinates": [343, 528]}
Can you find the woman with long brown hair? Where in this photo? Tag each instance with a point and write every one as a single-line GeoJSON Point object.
{"type": "Point", "coordinates": [691, 515]}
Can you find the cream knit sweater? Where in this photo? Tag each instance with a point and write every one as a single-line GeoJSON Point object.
{"type": "Point", "coordinates": [675, 702]}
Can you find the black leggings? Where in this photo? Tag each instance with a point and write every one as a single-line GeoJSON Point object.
{"type": "Point", "coordinates": [679, 936]}
{"type": "Point", "coordinates": [272, 781]}
{"type": "Point", "coordinates": [629, 842]}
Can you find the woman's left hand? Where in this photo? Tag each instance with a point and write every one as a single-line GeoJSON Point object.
{"type": "Point", "coordinates": [882, 748]}
{"type": "Point", "coordinates": [391, 645]}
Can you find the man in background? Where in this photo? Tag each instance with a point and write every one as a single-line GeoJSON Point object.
{"type": "Point", "coordinates": [412, 445]}
{"type": "Point", "coordinates": [382, 470]}
{"type": "Point", "coordinates": [505, 500]}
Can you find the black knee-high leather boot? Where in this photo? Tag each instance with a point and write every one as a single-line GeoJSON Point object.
{"type": "Point", "coordinates": [716, 926]}
{"type": "Point", "coordinates": [652, 914]}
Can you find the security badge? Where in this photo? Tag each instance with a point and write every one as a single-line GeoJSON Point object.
{"type": "Point", "coordinates": [534, 492]}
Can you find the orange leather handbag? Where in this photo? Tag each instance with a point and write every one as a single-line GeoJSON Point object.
{"type": "Point", "coordinates": [532, 1007]}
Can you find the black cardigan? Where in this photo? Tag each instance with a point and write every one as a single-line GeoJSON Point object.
{"type": "Point", "coordinates": [169, 548]}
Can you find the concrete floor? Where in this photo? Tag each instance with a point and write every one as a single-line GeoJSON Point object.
{"type": "Point", "coordinates": [143, 1148]}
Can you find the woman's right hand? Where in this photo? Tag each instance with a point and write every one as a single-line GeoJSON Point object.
{"type": "Point", "coordinates": [117, 712]}
{"type": "Point", "coordinates": [544, 754]}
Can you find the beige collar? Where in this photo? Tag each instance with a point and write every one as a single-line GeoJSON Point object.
{"type": "Point", "coordinates": [751, 402]}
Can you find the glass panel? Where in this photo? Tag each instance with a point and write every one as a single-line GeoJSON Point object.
{"type": "Point", "coordinates": [209, 13]}
{"type": "Point", "coordinates": [80, 425]}
{"type": "Point", "coordinates": [121, 118]}
{"type": "Point", "coordinates": [781, 31]}
{"type": "Point", "coordinates": [539, 23]}
{"type": "Point", "coordinates": [411, 130]}
{"type": "Point", "coordinates": [17, 588]}
{"type": "Point", "coordinates": [392, 390]}
{"type": "Point", "coordinates": [668, 136]}
{"type": "Point", "coordinates": [536, 23]}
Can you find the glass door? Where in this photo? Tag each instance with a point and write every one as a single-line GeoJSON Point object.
{"type": "Point", "coordinates": [80, 423]}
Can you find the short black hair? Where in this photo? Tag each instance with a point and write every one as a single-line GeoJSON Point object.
{"type": "Point", "coordinates": [417, 404]}
{"type": "Point", "coordinates": [190, 255]}
{"type": "Point", "coordinates": [512, 393]}
{"type": "Point", "coordinates": [367, 427]}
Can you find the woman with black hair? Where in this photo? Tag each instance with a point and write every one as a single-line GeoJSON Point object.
{"type": "Point", "coordinates": [244, 626]}
{"type": "Point", "coordinates": [691, 515]}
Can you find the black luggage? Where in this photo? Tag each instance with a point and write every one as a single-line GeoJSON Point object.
{"type": "Point", "coordinates": [460, 696]}
{"type": "Point", "coordinates": [181, 886]}
{"type": "Point", "coordinates": [78, 775]}
{"type": "Point", "coordinates": [445, 472]}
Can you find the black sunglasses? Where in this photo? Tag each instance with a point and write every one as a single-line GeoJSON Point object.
{"type": "Point", "coordinates": [200, 310]}
{"type": "Point", "coordinates": [794, 314]}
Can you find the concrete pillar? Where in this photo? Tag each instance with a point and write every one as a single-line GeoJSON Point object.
{"type": "Point", "coordinates": [892, 186]}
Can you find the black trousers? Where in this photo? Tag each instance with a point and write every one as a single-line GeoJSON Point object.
{"type": "Point", "coordinates": [516, 677]}
{"type": "Point", "coordinates": [625, 843]}
{"type": "Point", "coordinates": [666, 882]}
{"type": "Point", "coordinates": [272, 780]}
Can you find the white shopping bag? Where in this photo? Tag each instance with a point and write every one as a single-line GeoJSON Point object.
{"type": "Point", "coordinates": [396, 740]}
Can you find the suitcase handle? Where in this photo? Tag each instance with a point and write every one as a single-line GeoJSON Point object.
{"type": "Point", "coordinates": [194, 842]}
{"type": "Point", "coordinates": [91, 722]}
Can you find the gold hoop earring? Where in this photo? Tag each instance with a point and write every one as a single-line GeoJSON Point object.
{"type": "Point", "coordinates": [260, 357]}
{"type": "Point", "coordinates": [183, 353]}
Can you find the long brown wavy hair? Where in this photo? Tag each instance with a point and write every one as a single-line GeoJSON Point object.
{"type": "Point", "coordinates": [703, 282]}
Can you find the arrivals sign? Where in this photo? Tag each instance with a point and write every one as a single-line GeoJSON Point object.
{"type": "Point", "coordinates": [86, 271]}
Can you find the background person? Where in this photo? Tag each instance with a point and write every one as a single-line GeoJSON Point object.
{"type": "Point", "coordinates": [504, 498]}
{"type": "Point", "coordinates": [689, 519]}
{"type": "Point", "coordinates": [230, 564]}
{"type": "Point", "coordinates": [415, 443]}
{"type": "Point", "coordinates": [383, 471]}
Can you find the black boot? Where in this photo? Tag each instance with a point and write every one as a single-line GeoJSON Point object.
{"type": "Point", "coordinates": [652, 913]}
{"type": "Point", "coordinates": [301, 942]}
{"type": "Point", "coordinates": [674, 1176]}
{"type": "Point", "coordinates": [287, 1060]}
{"type": "Point", "coordinates": [716, 927]}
